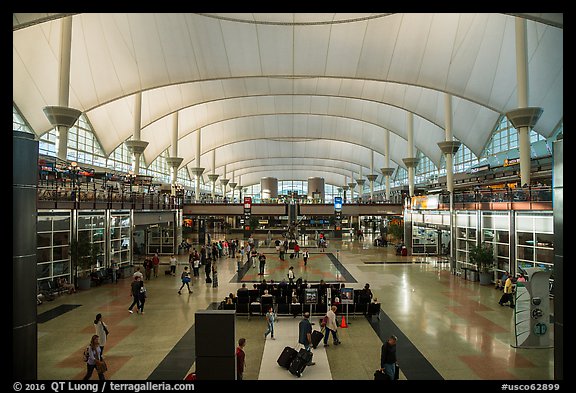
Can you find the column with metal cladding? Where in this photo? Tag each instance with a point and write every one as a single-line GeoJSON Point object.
{"type": "Point", "coordinates": [316, 188]}
{"type": "Point", "coordinates": [268, 188]}
{"type": "Point", "coordinates": [24, 216]}
{"type": "Point", "coordinates": [558, 207]}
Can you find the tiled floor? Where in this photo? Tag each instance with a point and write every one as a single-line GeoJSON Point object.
{"type": "Point", "coordinates": [448, 328]}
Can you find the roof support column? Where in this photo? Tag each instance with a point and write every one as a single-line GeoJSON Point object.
{"type": "Point", "coordinates": [233, 185]}
{"type": "Point", "coordinates": [213, 176]}
{"type": "Point", "coordinates": [224, 181]}
{"type": "Point", "coordinates": [352, 185]}
{"type": "Point", "coordinates": [135, 145]}
{"type": "Point", "coordinates": [197, 171]}
{"type": "Point", "coordinates": [524, 118]}
{"type": "Point", "coordinates": [174, 161]}
{"type": "Point", "coordinates": [411, 161]}
{"type": "Point", "coordinates": [371, 177]}
{"type": "Point", "coordinates": [387, 171]}
{"type": "Point", "coordinates": [345, 187]}
{"type": "Point", "coordinates": [449, 147]}
{"type": "Point", "coordinates": [63, 117]}
{"type": "Point", "coordinates": [360, 181]}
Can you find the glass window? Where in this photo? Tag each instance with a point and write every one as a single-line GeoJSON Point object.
{"type": "Point", "coordinates": [488, 235]}
{"type": "Point", "coordinates": [43, 255]}
{"type": "Point", "coordinates": [544, 255]}
{"type": "Point", "coordinates": [545, 240]}
{"type": "Point", "coordinates": [525, 238]}
{"type": "Point", "coordinates": [61, 238]}
{"type": "Point", "coordinates": [502, 237]}
{"type": "Point", "coordinates": [503, 250]}
{"type": "Point", "coordinates": [44, 224]}
{"type": "Point", "coordinates": [525, 253]}
{"type": "Point", "coordinates": [43, 270]}
{"type": "Point", "coordinates": [43, 239]}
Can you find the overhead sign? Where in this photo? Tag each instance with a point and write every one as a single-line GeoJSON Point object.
{"type": "Point", "coordinates": [247, 202]}
{"type": "Point", "coordinates": [337, 203]}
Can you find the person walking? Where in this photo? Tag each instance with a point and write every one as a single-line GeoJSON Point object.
{"type": "Point", "coordinates": [240, 359]}
{"type": "Point", "coordinates": [296, 250]}
{"type": "Point", "coordinates": [507, 296]}
{"type": "Point", "coordinates": [305, 256]}
{"type": "Point", "coordinates": [142, 295]}
{"type": "Point", "coordinates": [138, 273]}
{"type": "Point", "coordinates": [173, 264]}
{"type": "Point", "coordinates": [93, 357]}
{"type": "Point", "coordinates": [262, 259]}
{"type": "Point", "coordinates": [331, 326]}
{"type": "Point", "coordinates": [102, 331]}
{"type": "Point", "coordinates": [185, 277]}
{"type": "Point", "coordinates": [134, 292]}
{"type": "Point", "coordinates": [196, 266]}
{"type": "Point", "coordinates": [305, 334]}
{"type": "Point", "coordinates": [155, 263]}
{"type": "Point", "coordinates": [270, 319]}
{"type": "Point", "coordinates": [291, 275]}
{"type": "Point", "coordinates": [148, 267]}
{"type": "Point", "coordinates": [388, 357]}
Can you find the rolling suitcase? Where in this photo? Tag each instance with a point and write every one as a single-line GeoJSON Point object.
{"type": "Point", "coordinates": [317, 336]}
{"type": "Point", "coordinates": [286, 357]}
{"type": "Point", "coordinates": [382, 376]}
{"type": "Point", "coordinates": [300, 362]}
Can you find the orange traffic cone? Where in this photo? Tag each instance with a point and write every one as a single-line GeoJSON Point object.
{"type": "Point", "coordinates": [343, 324]}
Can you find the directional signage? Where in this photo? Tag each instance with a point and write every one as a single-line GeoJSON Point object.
{"type": "Point", "coordinates": [338, 203]}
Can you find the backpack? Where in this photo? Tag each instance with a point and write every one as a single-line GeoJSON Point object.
{"type": "Point", "coordinates": [86, 354]}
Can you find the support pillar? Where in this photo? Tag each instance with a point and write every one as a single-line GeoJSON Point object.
{"type": "Point", "coordinates": [24, 222]}
{"type": "Point", "coordinates": [387, 172]}
{"type": "Point", "coordinates": [371, 178]}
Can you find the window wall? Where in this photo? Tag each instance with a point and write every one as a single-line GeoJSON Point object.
{"type": "Point", "coordinates": [52, 245]}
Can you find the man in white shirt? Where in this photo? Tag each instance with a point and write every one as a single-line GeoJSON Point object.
{"type": "Point", "coordinates": [138, 274]}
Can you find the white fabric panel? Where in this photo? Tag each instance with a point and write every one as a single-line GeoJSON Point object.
{"type": "Point", "coordinates": [492, 57]}
{"type": "Point", "coordinates": [275, 49]}
{"type": "Point", "coordinates": [242, 53]}
{"type": "Point", "coordinates": [546, 75]}
{"type": "Point", "coordinates": [439, 48]}
{"type": "Point", "coordinates": [190, 63]}
{"type": "Point", "coordinates": [33, 83]}
{"type": "Point", "coordinates": [379, 47]}
{"type": "Point", "coordinates": [311, 46]}
{"type": "Point", "coordinates": [409, 47]}
{"type": "Point", "coordinates": [206, 37]}
{"type": "Point", "coordinates": [344, 49]}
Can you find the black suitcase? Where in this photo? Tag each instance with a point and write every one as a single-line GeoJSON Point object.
{"type": "Point", "coordinates": [300, 362]}
{"type": "Point", "coordinates": [286, 357]}
{"type": "Point", "coordinates": [208, 280]}
{"type": "Point", "coordinates": [382, 376]}
{"type": "Point", "coordinates": [317, 336]}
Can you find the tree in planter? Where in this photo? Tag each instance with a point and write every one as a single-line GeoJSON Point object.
{"type": "Point", "coordinates": [483, 257]}
{"type": "Point", "coordinates": [82, 257]}
{"type": "Point", "coordinates": [396, 231]}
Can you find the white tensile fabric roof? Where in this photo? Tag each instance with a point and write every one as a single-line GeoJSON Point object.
{"type": "Point", "coordinates": [290, 96]}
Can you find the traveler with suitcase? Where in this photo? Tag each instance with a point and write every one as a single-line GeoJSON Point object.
{"type": "Point", "coordinates": [305, 334]}
{"type": "Point", "coordinates": [388, 357]}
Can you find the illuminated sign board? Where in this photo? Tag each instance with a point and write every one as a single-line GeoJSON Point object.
{"type": "Point", "coordinates": [338, 203]}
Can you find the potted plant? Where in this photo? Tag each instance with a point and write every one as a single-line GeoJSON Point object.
{"type": "Point", "coordinates": [81, 258]}
{"type": "Point", "coordinates": [483, 257]}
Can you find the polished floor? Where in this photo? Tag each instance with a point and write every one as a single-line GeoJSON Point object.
{"type": "Point", "coordinates": [448, 328]}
